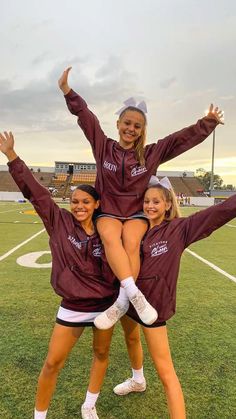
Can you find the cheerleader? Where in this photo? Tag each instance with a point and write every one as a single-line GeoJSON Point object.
{"type": "Point", "coordinates": [165, 241]}
{"type": "Point", "coordinates": [80, 275]}
{"type": "Point", "coordinates": [124, 168]}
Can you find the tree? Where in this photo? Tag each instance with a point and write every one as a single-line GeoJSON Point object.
{"type": "Point", "coordinates": [229, 187]}
{"type": "Point", "coordinates": [205, 179]}
{"type": "Point", "coordinates": [200, 172]}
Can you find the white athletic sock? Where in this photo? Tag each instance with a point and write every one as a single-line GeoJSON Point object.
{"type": "Point", "coordinates": [122, 298]}
{"type": "Point", "coordinates": [129, 285]}
{"type": "Point", "coordinates": [138, 375]}
{"type": "Point", "coordinates": [40, 414]}
{"type": "Point", "coordinates": [90, 399]}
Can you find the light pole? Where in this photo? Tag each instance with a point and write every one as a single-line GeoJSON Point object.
{"type": "Point", "coordinates": [212, 163]}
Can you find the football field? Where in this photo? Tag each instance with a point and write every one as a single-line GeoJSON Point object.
{"type": "Point", "coordinates": [202, 333]}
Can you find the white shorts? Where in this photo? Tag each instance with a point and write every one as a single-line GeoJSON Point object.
{"type": "Point", "coordinates": [72, 318]}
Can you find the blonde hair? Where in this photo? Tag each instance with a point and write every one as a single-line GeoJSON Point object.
{"type": "Point", "coordinates": [140, 143]}
{"type": "Point", "coordinates": [170, 197]}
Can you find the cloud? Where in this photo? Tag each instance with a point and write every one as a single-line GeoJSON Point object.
{"type": "Point", "coordinates": [39, 105]}
{"type": "Point", "coordinates": [41, 58]}
{"type": "Point", "coordinates": [177, 102]}
{"type": "Point", "coordinates": [229, 97]}
{"type": "Point", "coordinates": [165, 84]}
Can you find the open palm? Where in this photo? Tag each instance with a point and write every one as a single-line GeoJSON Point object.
{"type": "Point", "coordinates": [6, 142]}
{"type": "Point", "coordinates": [63, 81]}
{"type": "Point", "coordinates": [216, 113]}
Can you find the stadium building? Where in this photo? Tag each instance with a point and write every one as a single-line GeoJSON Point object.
{"type": "Point", "coordinates": [65, 176]}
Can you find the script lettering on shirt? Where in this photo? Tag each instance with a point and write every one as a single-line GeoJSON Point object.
{"type": "Point", "coordinates": [158, 248]}
{"type": "Point", "coordinates": [110, 166]}
{"type": "Point", "coordinates": [97, 251]}
{"type": "Point", "coordinates": [74, 242]}
{"type": "Point", "coordinates": [138, 170]}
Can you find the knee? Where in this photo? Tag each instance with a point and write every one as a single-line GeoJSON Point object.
{"type": "Point", "coordinates": [110, 241]}
{"type": "Point", "coordinates": [108, 238]}
{"type": "Point", "coordinates": [167, 375]}
{"type": "Point", "coordinates": [132, 340]}
{"type": "Point", "coordinates": [52, 366]}
{"type": "Point", "coordinates": [131, 244]}
{"type": "Point", "coordinates": [101, 353]}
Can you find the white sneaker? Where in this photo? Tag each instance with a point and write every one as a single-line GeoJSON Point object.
{"type": "Point", "coordinates": [129, 386]}
{"type": "Point", "coordinates": [109, 317]}
{"type": "Point", "coordinates": [146, 312]}
{"type": "Point", "coordinates": [89, 412]}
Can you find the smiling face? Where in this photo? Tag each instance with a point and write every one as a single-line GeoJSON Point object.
{"type": "Point", "coordinates": [155, 205]}
{"type": "Point", "coordinates": [82, 206]}
{"type": "Point", "coordinates": [131, 126]}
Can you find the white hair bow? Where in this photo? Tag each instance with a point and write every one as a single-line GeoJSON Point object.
{"type": "Point", "coordinates": [132, 102]}
{"type": "Point", "coordinates": [163, 182]}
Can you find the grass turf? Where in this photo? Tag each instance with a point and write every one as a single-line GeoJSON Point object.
{"type": "Point", "coordinates": [202, 335]}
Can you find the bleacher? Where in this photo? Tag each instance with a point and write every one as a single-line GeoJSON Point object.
{"type": "Point", "coordinates": [85, 177]}
{"type": "Point", "coordinates": [59, 178]}
{"type": "Point", "coordinates": [188, 186]}
{"type": "Point", "coordinates": [7, 184]}
{"type": "Point", "coordinates": [44, 178]}
{"type": "Point", "coordinates": [61, 183]}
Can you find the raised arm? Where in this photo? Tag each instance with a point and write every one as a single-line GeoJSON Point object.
{"type": "Point", "coordinates": [7, 146]}
{"type": "Point", "coordinates": [87, 121]}
{"type": "Point", "coordinates": [175, 144]}
{"type": "Point", "coordinates": [203, 223]}
{"type": "Point", "coordinates": [32, 190]}
{"type": "Point", "coordinates": [63, 81]}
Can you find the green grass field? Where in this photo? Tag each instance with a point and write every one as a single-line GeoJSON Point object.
{"type": "Point", "coordinates": [202, 333]}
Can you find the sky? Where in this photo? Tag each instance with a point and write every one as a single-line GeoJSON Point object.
{"type": "Point", "coordinates": [177, 55]}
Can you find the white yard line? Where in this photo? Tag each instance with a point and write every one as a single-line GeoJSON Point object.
{"type": "Point", "coordinates": [216, 268]}
{"type": "Point", "coordinates": [14, 210]}
{"type": "Point", "coordinates": [20, 245]}
{"type": "Point", "coordinates": [230, 225]}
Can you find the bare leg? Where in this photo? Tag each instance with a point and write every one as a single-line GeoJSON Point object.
{"type": "Point", "coordinates": [127, 262]}
{"type": "Point", "coordinates": [132, 234]}
{"type": "Point", "coordinates": [137, 382]}
{"type": "Point", "coordinates": [133, 342]}
{"type": "Point", "coordinates": [62, 341]}
{"type": "Point", "coordinates": [101, 346]}
{"type": "Point", "coordinates": [122, 244]}
{"type": "Point", "coordinates": [110, 231]}
{"type": "Point", "coordinates": [158, 345]}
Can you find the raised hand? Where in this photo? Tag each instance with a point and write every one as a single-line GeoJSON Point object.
{"type": "Point", "coordinates": [216, 113]}
{"type": "Point", "coordinates": [7, 145]}
{"type": "Point", "coordinates": [63, 81]}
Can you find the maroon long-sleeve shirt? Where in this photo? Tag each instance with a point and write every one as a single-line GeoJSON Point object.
{"type": "Point", "coordinates": [121, 181]}
{"type": "Point", "coordinates": [162, 248]}
{"type": "Point", "coordinates": [80, 273]}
